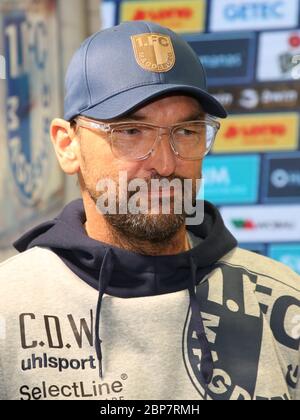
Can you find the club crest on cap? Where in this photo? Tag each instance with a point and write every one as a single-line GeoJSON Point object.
{"type": "Point", "coordinates": [154, 52]}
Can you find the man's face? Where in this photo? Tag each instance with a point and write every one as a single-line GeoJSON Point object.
{"type": "Point", "coordinates": [97, 162]}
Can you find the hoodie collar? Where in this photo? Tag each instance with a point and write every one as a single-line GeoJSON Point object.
{"type": "Point", "coordinates": [145, 275]}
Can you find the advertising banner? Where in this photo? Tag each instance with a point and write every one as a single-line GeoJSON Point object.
{"type": "Point", "coordinates": [180, 16]}
{"type": "Point", "coordinates": [227, 59]}
{"type": "Point", "coordinates": [279, 56]}
{"type": "Point", "coordinates": [259, 97]}
{"type": "Point", "coordinates": [237, 15]}
{"type": "Point", "coordinates": [31, 184]}
{"type": "Point", "coordinates": [227, 179]}
{"type": "Point", "coordinates": [263, 223]}
{"type": "Point", "coordinates": [281, 178]}
{"type": "Point", "coordinates": [259, 133]}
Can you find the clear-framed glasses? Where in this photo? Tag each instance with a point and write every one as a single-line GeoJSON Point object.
{"type": "Point", "coordinates": [135, 141]}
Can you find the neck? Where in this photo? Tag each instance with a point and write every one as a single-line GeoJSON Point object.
{"type": "Point", "coordinates": [98, 229]}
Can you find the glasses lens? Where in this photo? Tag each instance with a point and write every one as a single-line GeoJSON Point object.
{"type": "Point", "coordinates": [194, 141]}
{"type": "Point", "coordinates": [133, 141]}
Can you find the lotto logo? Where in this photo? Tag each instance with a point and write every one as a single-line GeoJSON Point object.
{"type": "Point", "coordinates": [258, 133]}
{"type": "Point", "coordinates": [185, 16]}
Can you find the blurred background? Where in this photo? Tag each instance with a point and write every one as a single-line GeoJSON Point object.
{"type": "Point", "coordinates": [251, 53]}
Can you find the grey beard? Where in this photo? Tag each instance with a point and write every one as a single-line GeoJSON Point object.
{"type": "Point", "coordinates": [155, 228]}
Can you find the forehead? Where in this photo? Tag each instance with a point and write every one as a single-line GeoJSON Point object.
{"type": "Point", "coordinates": [184, 106]}
{"type": "Point", "coordinates": [174, 100]}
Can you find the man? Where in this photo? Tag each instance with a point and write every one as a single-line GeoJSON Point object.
{"type": "Point", "coordinates": [182, 312]}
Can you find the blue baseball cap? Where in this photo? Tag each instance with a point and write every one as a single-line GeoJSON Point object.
{"type": "Point", "coordinates": [124, 67]}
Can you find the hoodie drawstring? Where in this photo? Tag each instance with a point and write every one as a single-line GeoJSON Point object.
{"type": "Point", "coordinates": [207, 365]}
{"type": "Point", "coordinates": [104, 279]}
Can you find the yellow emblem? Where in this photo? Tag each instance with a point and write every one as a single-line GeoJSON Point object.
{"type": "Point", "coordinates": [154, 52]}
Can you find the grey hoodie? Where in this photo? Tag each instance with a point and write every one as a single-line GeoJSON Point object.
{"type": "Point", "coordinates": [80, 319]}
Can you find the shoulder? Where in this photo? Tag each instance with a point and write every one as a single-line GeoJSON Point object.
{"type": "Point", "coordinates": [31, 264]}
{"type": "Point", "coordinates": [37, 254]}
{"type": "Point", "coordinates": [273, 272]}
{"type": "Point", "coordinates": [34, 279]}
{"type": "Point", "coordinates": [276, 290]}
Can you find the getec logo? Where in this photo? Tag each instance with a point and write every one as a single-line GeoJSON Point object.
{"type": "Point", "coordinates": [230, 15]}
{"type": "Point", "coordinates": [227, 59]}
{"type": "Point", "coordinates": [180, 16]}
{"type": "Point", "coordinates": [279, 56]}
{"type": "Point", "coordinates": [282, 178]}
{"type": "Point", "coordinates": [258, 133]}
{"type": "Point", "coordinates": [252, 224]}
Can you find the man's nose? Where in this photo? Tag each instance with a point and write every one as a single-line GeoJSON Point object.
{"type": "Point", "coordinates": [163, 159]}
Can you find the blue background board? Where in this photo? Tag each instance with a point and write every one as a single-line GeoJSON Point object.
{"type": "Point", "coordinates": [258, 248]}
{"type": "Point", "coordinates": [227, 58]}
{"type": "Point", "coordinates": [232, 179]}
{"type": "Point", "coordinates": [281, 178]}
{"type": "Point", "coordinates": [287, 254]}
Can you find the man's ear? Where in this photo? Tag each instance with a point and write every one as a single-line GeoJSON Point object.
{"type": "Point", "coordinates": [66, 146]}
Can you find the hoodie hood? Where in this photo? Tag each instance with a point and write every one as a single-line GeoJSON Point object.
{"type": "Point", "coordinates": [102, 266]}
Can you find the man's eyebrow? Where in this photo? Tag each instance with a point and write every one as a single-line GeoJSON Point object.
{"type": "Point", "coordinates": [140, 117]}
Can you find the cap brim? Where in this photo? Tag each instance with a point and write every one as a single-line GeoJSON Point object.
{"type": "Point", "coordinates": [125, 102]}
